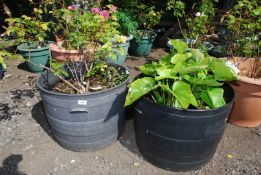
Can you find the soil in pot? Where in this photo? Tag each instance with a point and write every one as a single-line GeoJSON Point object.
{"type": "Point", "coordinates": [37, 57]}
{"type": "Point", "coordinates": [246, 111]}
{"type": "Point", "coordinates": [178, 139]}
{"type": "Point", "coordinates": [84, 122]}
{"type": "Point", "coordinates": [142, 46]}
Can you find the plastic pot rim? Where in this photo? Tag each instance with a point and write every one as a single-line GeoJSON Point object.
{"type": "Point", "coordinates": [249, 80]}
{"type": "Point", "coordinates": [21, 48]}
{"type": "Point", "coordinates": [76, 95]}
{"type": "Point", "coordinates": [152, 35]}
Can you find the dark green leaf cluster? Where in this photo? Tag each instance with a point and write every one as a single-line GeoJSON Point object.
{"type": "Point", "coordinates": [128, 25]}
{"type": "Point", "coordinates": [244, 23]}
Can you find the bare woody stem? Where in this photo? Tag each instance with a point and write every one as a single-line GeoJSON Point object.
{"type": "Point", "coordinates": [60, 77]}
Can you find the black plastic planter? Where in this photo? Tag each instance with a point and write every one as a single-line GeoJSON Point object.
{"type": "Point", "coordinates": [84, 122]}
{"type": "Point", "coordinates": [177, 139]}
{"type": "Point", "coordinates": [1, 71]}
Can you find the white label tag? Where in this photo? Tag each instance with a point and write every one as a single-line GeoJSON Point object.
{"type": "Point", "coordinates": [82, 102]}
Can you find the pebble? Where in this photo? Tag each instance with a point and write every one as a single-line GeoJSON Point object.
{"type": "Point", "coordinates": [8, 75]}
{"type": "Point", "coordinates": [136, 164]}
{"type": "Point", "coordinates": [72, 161]}
{"type": "Point", "coordinates": [28, 147]}
{"type": "Point", "coordinates": [97, 158]}
{"type": "Point", "coordinates": [28, 104]}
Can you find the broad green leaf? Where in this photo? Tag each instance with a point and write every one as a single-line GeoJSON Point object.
{"type": "Point", "coordinates": [190, 69]}
{"type": "Point", "coordinates": [199, 56]}
{"type": "Point", "coordinates": [166, 60]}
{"type": "Point", "coordinates": [179, 45]}
{"type": "Point", "coordinates": [183, 94]}
{"type": "Point", "coordinates": [165, 72]}
{"type": "Point", "coordinates": [221, 71]}
{"type": "Point", "coordinates": [177, 104]}
{"type": "Point", "coordinates": [208, 82]}
{"type": "Point", "coordinates": [180, 58]}
{"type": "Point", "coordinates": [202, 74]}
{"type": "Point", "coordinates": [205, 98]}
{"type": "Point", "coordinates": [216, 97]}
{"type": "Point", "coordinates": [149, 69]}
{"type": "Point", "coordinates": [138, 88]}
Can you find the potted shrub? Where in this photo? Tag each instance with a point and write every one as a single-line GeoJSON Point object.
{"type": "Point", "coordinates": [243, 44]}
{"type": "Point", "coordinates": [146, 17]}
{"type": "Point", "coordinates": [76, 26]}
{"type": "Point", "coordinates": [120, 47]}
{"type": "Point", "coordinates": [84, 100]}
{"type": "Point", "coordinates": [31, 32]}
{"type": "Point", "coordinates": [198, 22]}
{"type": "Point", "coordinates": [121, 43]}
{"type": "Point", "coordinates": [182, 108]}
{"type": "Point", "coordinates": [144, 38]}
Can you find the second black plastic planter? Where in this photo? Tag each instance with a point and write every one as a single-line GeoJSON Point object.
{"type": "Point", "coordinates": [177, 139]}
{"type": "Point", "coordinates": [84, 122]}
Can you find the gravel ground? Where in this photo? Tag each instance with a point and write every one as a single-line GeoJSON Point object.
{"type": "Point", "coordinates": [28, 148]}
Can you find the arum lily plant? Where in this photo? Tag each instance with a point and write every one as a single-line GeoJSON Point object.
{"type": "Point", "coordinates": [185, 78]}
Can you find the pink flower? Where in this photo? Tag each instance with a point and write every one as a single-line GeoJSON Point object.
{"type": "Point", "coordinates": [71, 7]}
{"type": "Point", "coordinates": [105, 14]}
{"type": "Point", "coordinates": [95, 10]}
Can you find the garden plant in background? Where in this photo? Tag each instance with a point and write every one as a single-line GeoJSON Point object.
{"type": "Point", "coordinates": [243, 44]}
{"type": "Point", "coordinates": [143, 17]}
{"type": "Point", "coordinates": [31, 32]}
{"type": "Point", "coordinates": [199, 21]}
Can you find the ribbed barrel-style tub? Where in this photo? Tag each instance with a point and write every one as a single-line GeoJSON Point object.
{"type": "Point", "coordinates": [178, 139]}
{"type": "Point", "coordinates": [84, 122]}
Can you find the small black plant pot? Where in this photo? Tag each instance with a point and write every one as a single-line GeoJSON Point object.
{"type": "Point", "coordinates": [1, 71]}
{"type": "Point", "coordinates": [84, 122]}
{"type": "Point", "coordinates": [178, 139]}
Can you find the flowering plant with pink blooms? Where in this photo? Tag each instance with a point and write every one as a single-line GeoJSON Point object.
{"type": "Point", "coordinates": [79, 26]}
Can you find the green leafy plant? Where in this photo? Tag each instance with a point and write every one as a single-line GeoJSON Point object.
{"type": "Point", "coordinates": [31, 30]}
{"type": "Point", "coordinates": [243, 22]}
{"type": "Point", "coordinates": [186, 78]}
{"type": "Point", "coordinates": [78, 26]}
{"type": "Point", "coordinates": [89, 30]}
{"type": "Point", "coordinates": [6, 44]}
{"type": "Point", "coordinates": [127, 23]}
{"type": "Point", "coordinates": [146, 15]}
{"type": "Point", "coordinates": [199, 20]}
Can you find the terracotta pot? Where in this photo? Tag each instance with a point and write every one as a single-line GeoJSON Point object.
{"type": "Point", "coordinates": [247, 107]}
{"type": "Point", "coordinates": [61, 54]}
